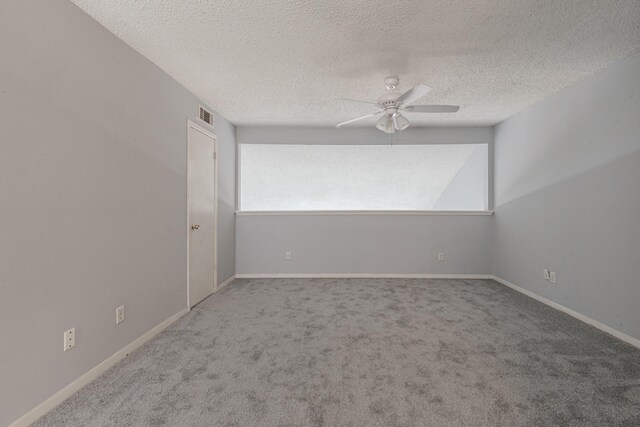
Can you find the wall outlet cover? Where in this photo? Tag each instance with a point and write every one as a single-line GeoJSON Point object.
{"type": "Point", "coordinates": [69, 339]}
{"type": "Point", "coordinates": [287, 255]}
{"type": "Point", "coordinates": [120, 314]}
{"type": "Point", "coordinates": [552, 276]}
{"type": "Point", "coordinates": [441, 256]}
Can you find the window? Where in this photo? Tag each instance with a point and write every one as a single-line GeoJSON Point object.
{"type": "Point", "coordinates": [278, 177]}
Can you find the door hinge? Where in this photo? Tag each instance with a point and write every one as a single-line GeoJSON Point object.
{"type": "Point", "coordinates": [214, 155]}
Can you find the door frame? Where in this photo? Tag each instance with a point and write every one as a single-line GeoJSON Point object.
{"type": "Point", "coordinates": [195, 126]}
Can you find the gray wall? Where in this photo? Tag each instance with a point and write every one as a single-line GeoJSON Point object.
{"type": "Point", "coordinates": [92, 194]}
{"type": "Point", "coordinates": [226, 140]}
{"type": "Point", "coordinates": [405, 244]}
{"type": "Point", "coordinates": [354, 244]}
{"type": "Point", "coordinates": [567, 191]}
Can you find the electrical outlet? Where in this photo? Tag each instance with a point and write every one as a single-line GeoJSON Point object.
{"type": "Point", "coordinates": [441, 256]}
{"type": "Point", "coordinates": [552, 276]}
{"type": "Point", "coordinates": [69, 339]}
{"type": "Point", "coordinates": [546, 274]}
{"type": "Point", "coordinates": [120, 314]}
{"type": "Point", "coordinates": [287, 256]}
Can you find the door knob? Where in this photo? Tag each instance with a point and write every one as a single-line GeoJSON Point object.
{"type": "Point", "coordinates": [195, 226]}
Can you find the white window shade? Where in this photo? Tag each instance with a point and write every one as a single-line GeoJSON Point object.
{"type": "Point", "coordinates": [363, 177]}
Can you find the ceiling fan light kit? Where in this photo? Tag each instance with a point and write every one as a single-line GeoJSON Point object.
{"type": "Point", "coordinates": [392, 104]}
{"type": "Point", "coordinates": [384, 124]}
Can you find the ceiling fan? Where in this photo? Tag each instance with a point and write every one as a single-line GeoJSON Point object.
{"type": "Point", "coordinates": [392, 104]}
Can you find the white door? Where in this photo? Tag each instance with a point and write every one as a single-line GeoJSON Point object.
{"type": "Point", "coordinates": [201, 213]}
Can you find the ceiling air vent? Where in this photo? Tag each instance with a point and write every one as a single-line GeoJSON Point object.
{"type": "Point", "coordinates": [206, 116]}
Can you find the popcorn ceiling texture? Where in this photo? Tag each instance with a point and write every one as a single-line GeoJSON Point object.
{"type": "Point", "coordinates": [284, 62]}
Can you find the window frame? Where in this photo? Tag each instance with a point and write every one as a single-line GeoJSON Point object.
{"type": "Point", "coordinates": [488, 196]}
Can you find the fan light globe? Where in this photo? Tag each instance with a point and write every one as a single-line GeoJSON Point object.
{"type": "Point", "coordinates": [401, 122]}
{"type": "Point", "coordinates": [382, 123]}
{"type": "Point", "coordinates": [385, 124]}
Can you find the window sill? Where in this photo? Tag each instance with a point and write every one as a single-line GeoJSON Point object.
{"type": "Point", "coordinates": [426, 213]}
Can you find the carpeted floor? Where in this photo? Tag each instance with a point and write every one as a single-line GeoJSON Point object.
{"type": "Point", "coordinates": [364, 352]}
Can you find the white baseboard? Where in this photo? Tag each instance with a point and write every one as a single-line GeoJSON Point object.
{"type": "Point", "coordinates": [94, 373]}
{"type": "Point", "coordinates": [225, 283]}
{"type": "Point", "coordinates": [359, 275]}
{"type": "Point", "coordinates": [620, 335]}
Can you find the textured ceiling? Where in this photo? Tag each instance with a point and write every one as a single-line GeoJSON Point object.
{"type": "Point", "coordinates": [285, 62]}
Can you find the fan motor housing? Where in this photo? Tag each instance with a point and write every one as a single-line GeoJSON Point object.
{"type": "Point", "coordinates": [389, 102]}
{"type": "Point", "coordinates": [388, 99]}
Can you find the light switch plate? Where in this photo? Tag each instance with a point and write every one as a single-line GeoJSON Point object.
{"type": "Point", "coordinates": [546, 274]}
{"type": "Point", "coordinates": [552, 276]}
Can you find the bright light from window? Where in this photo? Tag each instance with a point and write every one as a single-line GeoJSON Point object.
{"type": "Point", "coordinates": [277, 177]}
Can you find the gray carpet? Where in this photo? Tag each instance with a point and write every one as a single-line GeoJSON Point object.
{"type": "Point", "coordinates": [363, 352]}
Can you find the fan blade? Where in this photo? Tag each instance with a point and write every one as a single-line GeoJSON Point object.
{"type": "Point", "coordinates": [432, 108]}
{"type": "Point", "coordinates": [356, 100]}
{"type": "Point", "coordinates": [357, 119]}
{"type": "Point", "coordinates": [414, 94]}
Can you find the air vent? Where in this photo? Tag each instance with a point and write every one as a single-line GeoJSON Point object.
{"type": "Point", "coordinates": [206, 116]}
